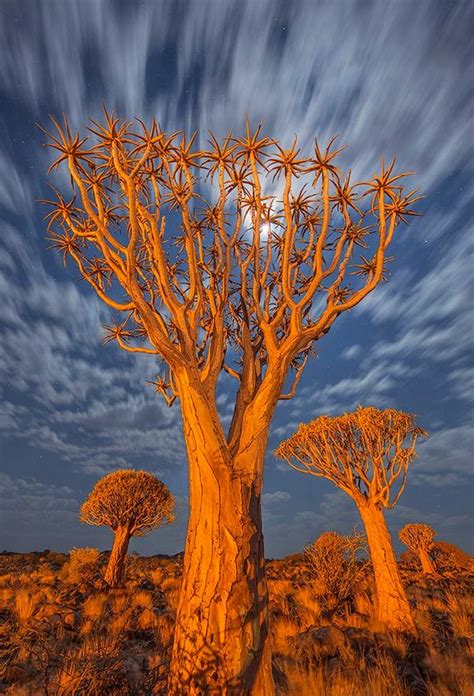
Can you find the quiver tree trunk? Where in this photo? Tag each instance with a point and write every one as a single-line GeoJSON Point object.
{"type": "Point", "coordinates": [427, 564]}
{"type": "Point", "coordinates": [221, 644]}
{"type": "Point", "coordinates": [115, 573]}
{"type": "Point", "coordinates": [393, 608]}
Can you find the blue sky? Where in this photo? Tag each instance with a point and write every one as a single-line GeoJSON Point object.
{"type": "Point", "coordinates": [390, 77]}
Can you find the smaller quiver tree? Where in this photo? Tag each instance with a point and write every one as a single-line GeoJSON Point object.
{"type": "Point", "coordinates": [366, 454]}
{"type": "Point", "coordinates": [419, 538]}
{"type": "Point", "coordinates": [337, 562]}
{"type": "Point", "coordinates": [131, 503]}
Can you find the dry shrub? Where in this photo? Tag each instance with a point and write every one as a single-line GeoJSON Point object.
{"type": "Point", "coordinates": [364, 604]}
{"type": "Point", "coordinates": [398, 644]}
{"type": "Point", "coordinates": [94, 606]}
{"type": "Point", "coordinates": [118, 623]}
{"type": "Point", "coordinates": [147, 619]}
{"type": "Point", "coordinates": [424, 623]}
{"type": "Point", "coordinates": [6, 594]}
{"type": "Point", "coordinates": [164, 627]}
{"type": "Point", "coordinates": [337, 563]}
{"type": "Point", "coordinates": [120, 601]}
{"type": "Point", "coordinates": [143, 599]}
{"type": "Point", "coordinates": [451, 560]}
{"type": "Point", "coordinates": [304, 597]}
{"type": "Point", "coordinates": [280, 587]}
{"type": "Point", "coordinates": [43, 576]}
{"type": "Point", "coordinates": [156, 576]}
{"type": "Point", "coordinates": [452, 674]}
{"type": "Point", "coordinates": [354, 620]}
{"type": "Point", "coordinates": [171, 587]}
{"type": "Point", "coordinates": [300, 681]}
{"type": "Point", "coordinates": [283, 629]}
{"type": "Point", "coordinates": [338, 679]}
{"type": "Point", "coordinates": [82, 566]}
{"type": "Point", "coordinates": [462, 625]}
{"type": "Point", "coordinates": [96, 669]}
{"type": "Point", "coordinates": [6, 579]}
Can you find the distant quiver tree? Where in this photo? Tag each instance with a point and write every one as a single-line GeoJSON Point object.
{"type": "Point", "coordinates": [366, 454]}
{"type": "Point", "coordinates": [131, 503]}
{"type": "Point", "coordinates": [243, 285]}
{"type": "Point", "coordinates": [419, 538]}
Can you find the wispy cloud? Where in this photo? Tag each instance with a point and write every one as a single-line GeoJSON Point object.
{"type": "Point", "coordinates": [370, 71]}
{"type": "Point", "coordinates": [388, 76]}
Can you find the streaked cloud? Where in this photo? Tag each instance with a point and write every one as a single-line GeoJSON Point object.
{"type": "Point", "coordinates": [388, 76]}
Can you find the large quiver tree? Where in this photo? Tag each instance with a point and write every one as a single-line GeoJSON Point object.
{"type": "Point", "coordinates": [131, 503]}
{"type": "Point", "coordinates": [366, 454]}
{"type": "Point", "coordinates": [244, 284]}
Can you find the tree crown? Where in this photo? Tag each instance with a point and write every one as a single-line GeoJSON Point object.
{"type": "Point", "coordinates": [417, 536]}
{"type": "Point", "coordinates": [126, 497]}
{"type": "Point", "coordinates": [366, 453]}
{"type": "Point", "coordinates": [239, 284]}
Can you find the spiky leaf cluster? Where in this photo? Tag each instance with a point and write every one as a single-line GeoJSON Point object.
{"type": "Point", "coordinates": [366, 453]}
{"type": "Point", "coordinates": [417, 536]}
{"type": "Point", "coordinates": [250, 278]}
{"type": "Point", "coordinates": [129, 498]}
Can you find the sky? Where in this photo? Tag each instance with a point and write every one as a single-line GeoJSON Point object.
{"type": "Point", "coordinates": [388, 76]}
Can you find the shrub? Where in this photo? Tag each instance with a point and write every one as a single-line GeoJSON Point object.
{"type": "Point", "coordinates": [337, 563]}
{"type": "Point", "coordinates": [82, 566]}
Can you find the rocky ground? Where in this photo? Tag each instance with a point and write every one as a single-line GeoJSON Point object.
{"type": "Point", "coordinates": [63, 632]}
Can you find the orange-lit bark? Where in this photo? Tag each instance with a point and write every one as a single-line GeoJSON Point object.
{"type": "Point", "coordinates": [393, 608]}
{"type": "Point", "coordinates": [221, 643]}
{"type": "Point", "coordinates": [427, 564]}
{"type": "Point", "coordinates": [116, 566]}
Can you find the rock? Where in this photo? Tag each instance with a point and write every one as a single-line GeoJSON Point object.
{"type": "Point", "coordinates": [319, 642]}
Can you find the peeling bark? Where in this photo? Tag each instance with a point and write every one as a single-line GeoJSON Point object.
{"type": "Point", "coordinates": [393, 608]}
{"type": "Point", "coordinates": [114, 575]}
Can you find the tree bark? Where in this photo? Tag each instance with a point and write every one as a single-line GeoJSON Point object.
{"type": "Point", "coordinates": [393, 608]}
{"type": "Point", "coordinates": [221, 644]}
{"type": "Point", "coordinates": [114, 575]}
{"type": "Point", "coordinates": [427, 564]}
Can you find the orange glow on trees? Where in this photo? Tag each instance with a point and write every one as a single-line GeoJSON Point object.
{"type": "Point", "coordinates": [131, 503]}
{"type": "Point", "coordinates": [243, 285]}
{"type": "Point", "coordinates": [419, 538]}
{"type": "Point", "coordinates": [338, 564]}
{"type": "Point", "coordinates": [366, 454]}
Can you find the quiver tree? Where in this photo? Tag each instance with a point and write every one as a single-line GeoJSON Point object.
{"type": "Point", "coordinates": [243, 284]}
{"type": "Point", "coordinates": [419, 538]}
{"type": "Point", "coordinates": [366, 454]}
{"type": "Point", "coordinates": [131, 503]}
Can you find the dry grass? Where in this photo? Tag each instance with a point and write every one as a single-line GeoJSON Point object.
{"type": "Point", "coordinates": [171, 587]}
{"type": "Point", "coordinates": [93, 607]}
{"type": "Point", "coordinates": [81, 566]}
{"type": "Point", "coordinates": [25, 605]}
{"type": "Point", "coordinates": [80, 639]}
{"type": "Point", "coordinates": [143, 599]}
